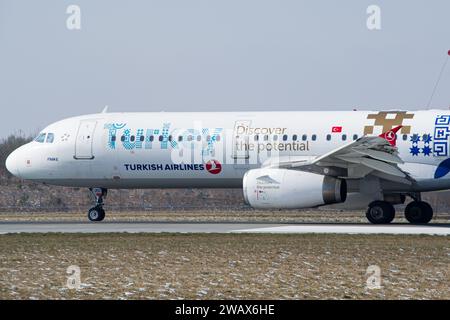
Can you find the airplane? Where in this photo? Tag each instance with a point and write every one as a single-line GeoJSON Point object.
{"type": "Point", "coordinates": [281, 160]}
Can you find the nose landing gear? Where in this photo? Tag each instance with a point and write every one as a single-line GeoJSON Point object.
{"type": "Point", "coordinates": [97, 213]}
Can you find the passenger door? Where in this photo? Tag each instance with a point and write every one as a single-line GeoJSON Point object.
{"type": "Point", "coordinates": [84, 141]}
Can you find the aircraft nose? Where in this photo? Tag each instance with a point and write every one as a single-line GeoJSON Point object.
{"type": "Point", "coordinates": [12, 163]}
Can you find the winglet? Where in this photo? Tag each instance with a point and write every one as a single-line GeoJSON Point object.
{"type": "Point", "coordinates": [391, 135]}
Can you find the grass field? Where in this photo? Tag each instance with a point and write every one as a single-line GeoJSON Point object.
{"type": "Point", "coordinates": [234, 266]}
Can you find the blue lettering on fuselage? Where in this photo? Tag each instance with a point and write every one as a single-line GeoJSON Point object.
{"type": "Point", "coordinates": [149, 138]}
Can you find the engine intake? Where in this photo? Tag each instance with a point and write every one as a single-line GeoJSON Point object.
{"type": "Point", "coordinates": [291, 189]}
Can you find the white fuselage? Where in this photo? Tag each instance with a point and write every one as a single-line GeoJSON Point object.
{"type": "Point", "coordinates": [215, 149]}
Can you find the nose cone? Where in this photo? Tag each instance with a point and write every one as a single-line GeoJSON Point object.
{"type": "Point", "coordinates": [12, 163]}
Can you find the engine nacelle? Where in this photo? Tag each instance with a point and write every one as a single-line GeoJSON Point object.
{"type": "Point", "coordinates": [290, 189]}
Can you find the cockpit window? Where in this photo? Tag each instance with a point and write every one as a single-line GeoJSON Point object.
{"type": "Point", "coordinates": [40, 138]}
{"type": "Point", "coordinates": [50, 138]}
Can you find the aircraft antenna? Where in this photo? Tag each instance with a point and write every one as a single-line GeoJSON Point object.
{"type": "Point", "coordinates": [438, 80]}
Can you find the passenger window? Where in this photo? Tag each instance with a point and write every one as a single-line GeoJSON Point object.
{"type": "Point", "coordinates": [40, 138]}
{"type": "Point", "coordinates": [344, 137]}
{"type": "Point", "coordinates": [285, 137]}
{"type": "Point", "coordinates": [256, 138]}
{"type": "Point", "coordinates": [294, 137]}
{"type": "Point", "coordinates": [122, 138]}
{"type": "Point", "coordinates": [266, 137]}
{"type": "Point", "coordinates": [50, 138]}
{"type": "Point", "coordinates": [152, 138]}
{"type": "Point", "coordinates": [132, 138]}
{"type": "Point", "coordinates": [328, 137]}
{"type": "Point", "coordinates": [217, 138]}
{"type": "Point", "coordinates": [304, 137]}
{"type": "Point", "coordinates": [355, 137]}
{"type": "Point", "coordinates": [141, 138]}
{"type": "Point", "coordinates": [160, 138]}
{"type": "Point", "coordinates": [275, 137]}
{"type": "Point", "coordinates": [405, 137]}
{"type": "Point", "coordinates": [313, 137]}
{"type": "Point", "coordinates": [199, 138]}
{"type": "Point", "coordinates": [113, 138]}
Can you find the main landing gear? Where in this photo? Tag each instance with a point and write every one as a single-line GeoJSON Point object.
{"type": "Point", "coordinates": [97, 213]}
{"type": "Point", "coordinates": [380, 212]}
{"type": "Point", "coordinates": [383, 212]}
{"type": "Point", "coordinates": [418, 212]}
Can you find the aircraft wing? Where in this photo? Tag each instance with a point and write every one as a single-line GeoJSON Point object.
{"type": "Point", "coordinates": [375, 155]}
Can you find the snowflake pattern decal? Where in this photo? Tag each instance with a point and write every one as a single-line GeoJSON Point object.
{"type": "Point", "coordinates": [420, 144]}
{"type": "Point", "coordinates": [414, 150]}
{"type": "Point", "coordinates": [427, 138]}
{"type": "Point", "coordinates": [415, 138]}
{"type": "Point", "coordinates": [426, 151]}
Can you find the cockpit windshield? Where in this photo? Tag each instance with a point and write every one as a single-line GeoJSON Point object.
{"type": "Point", "coordinates": [40, 138]}
{"type": "Point", "coordinates": [50, 138]}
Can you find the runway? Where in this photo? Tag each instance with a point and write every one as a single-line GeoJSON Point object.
{"type": "Point", "coordinates": [177, 227]}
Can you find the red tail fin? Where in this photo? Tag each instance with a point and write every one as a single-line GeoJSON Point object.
{"type": "Point", "coordinates": [391, 135]}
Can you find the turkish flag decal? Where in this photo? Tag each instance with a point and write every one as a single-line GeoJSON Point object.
{"type": "Point", "coordinates": [336, 129]}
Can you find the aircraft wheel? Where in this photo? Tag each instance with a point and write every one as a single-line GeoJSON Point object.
{"type": "Point", "coordinates": [380, 212]}
{"type": "Point", "coordinates": [96, 214]}
{"type": "Point", "coordinates": [418, 212]}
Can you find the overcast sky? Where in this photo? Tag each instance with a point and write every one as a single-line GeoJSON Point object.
{"type": "Point", "coordinates": [192, 55]}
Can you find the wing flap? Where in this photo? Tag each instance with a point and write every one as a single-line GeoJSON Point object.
{"type": "Point", "coordinates": [376, 155]}
{"type": "Point", "coordinates": [380, 155]}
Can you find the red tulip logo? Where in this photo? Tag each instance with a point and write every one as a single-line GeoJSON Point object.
{"type": "Point", "coordinates": [213, 167]}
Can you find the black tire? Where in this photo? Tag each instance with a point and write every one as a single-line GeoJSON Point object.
{"type": "Point", "coordinates": [96, 214]}
{"type": "Point", "coordinates": [380, 212]}
{"type": "Point", "coordinates": [418, 212]}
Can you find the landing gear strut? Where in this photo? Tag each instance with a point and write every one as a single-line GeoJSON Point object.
{"type": "Point", "coordinates": [97, 213]}
{"type": "Point", "coordinates": [380, 212]}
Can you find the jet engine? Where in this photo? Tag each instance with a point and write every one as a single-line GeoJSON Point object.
{"type": "Point", "coordinates": [291, 189]}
